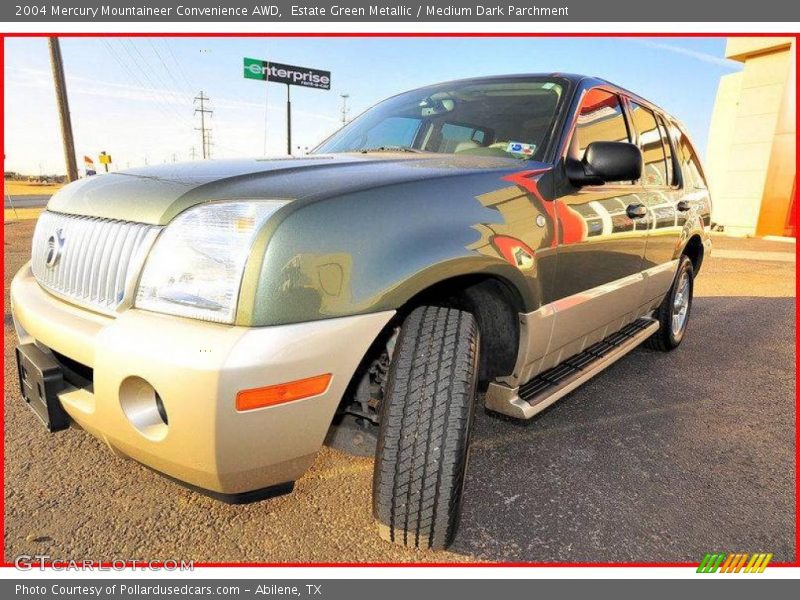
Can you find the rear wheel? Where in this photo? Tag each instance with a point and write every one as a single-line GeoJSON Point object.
{"type": "Point", "coordinates": [426, 417]}
{"type": "Point", "coordinates": [673, 314]}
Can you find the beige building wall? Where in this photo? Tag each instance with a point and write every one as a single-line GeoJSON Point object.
{"type": "Point", "coordinates": [751, 159]}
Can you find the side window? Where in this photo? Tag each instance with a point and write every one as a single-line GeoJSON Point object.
{"type": "Point", "coordinates": [600, 119]}
{"type": "Point", "coordinates": [655, 161]}
{"type": "Point", "coordinates": [691, 171]}
{"type": "Point", "coordinates": [394, 131]}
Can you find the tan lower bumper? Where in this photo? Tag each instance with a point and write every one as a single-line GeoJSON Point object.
{"type": "Point", "coordinates": [197, 368]}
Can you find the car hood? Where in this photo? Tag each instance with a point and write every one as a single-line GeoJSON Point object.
{"type": "Point", "coordinates": [156, 194]}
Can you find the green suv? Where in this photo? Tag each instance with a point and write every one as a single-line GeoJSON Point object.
{"type": "Point", "coordinates": [496, 240]}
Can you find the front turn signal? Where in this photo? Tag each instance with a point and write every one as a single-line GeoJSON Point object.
{"type": "Point", "coordinates": [282, 392]}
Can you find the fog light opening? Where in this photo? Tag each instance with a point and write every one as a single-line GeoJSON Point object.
{"type": "Point", "coordinates": [162, 412]}
{"type": "Point", "coordinates": [144, 408]}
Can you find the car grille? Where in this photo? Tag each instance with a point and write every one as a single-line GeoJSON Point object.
{"type": "Point", "coordinates": [89, 261]}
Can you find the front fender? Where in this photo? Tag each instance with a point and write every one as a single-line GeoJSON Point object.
{"type": "Point", "coordinates": [374, 250]}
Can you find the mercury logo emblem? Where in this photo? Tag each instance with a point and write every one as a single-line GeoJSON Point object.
{"type": "Point", "coordinates": [55, 247]}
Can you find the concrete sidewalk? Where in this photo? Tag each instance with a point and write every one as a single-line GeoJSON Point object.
{"type": "Point", "coordinates": [755, 255]}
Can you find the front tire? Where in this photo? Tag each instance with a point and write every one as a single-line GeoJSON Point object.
{"type": "Point", "coordinates": [673, 314]}
{"type": "Point", "coordinates": [426, 418]}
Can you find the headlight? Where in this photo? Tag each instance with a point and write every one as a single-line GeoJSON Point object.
{"type": "Point", "coordinates": [196, 265]}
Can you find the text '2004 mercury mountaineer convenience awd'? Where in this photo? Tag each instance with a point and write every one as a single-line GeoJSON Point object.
{"type": "Point", "coordinates": [513, 235]}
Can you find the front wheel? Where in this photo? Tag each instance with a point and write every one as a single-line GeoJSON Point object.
{"type": "Point", "coordinates": [426, 417]}
{"type": "Point", "coordinates": [673, 314]}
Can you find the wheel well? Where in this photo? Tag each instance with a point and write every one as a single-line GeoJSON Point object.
{"type": "Point", "coordinates": [694, 250]}
{"type": "Point", "coordinates": [494, 303]}
{"type": "Point", "coordinates": [496, 306]}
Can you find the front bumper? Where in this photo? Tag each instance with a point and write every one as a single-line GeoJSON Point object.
{"type": "Point", "coordinates": [197, 368]}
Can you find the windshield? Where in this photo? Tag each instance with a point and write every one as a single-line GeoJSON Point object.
{"type": "Point", "coordinates": [508, 118]}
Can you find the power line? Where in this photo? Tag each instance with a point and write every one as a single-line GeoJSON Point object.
{"type": "Point", "coordinates": [162, 84]}
{"type": "Point", "coordinates": [154, 87]}
{"type": "Point", "coordinates": [175, 60]}
{"type": "Point", "coordinates": [163, 101]}
{"type": "Point", "coordinates": [166, 109]}
{"type": "Point", "coordinates": [164, 64]}
{"type": "Point", "coordinates": [204, 131]}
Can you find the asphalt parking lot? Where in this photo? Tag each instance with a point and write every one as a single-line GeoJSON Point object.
{"type": "Point", "coordinates": [663, 457]}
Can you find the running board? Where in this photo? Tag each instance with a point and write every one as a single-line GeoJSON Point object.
{"type": "Point", "coordinates": [530, 398]}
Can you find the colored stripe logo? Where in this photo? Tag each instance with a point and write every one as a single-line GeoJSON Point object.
{"type": "Point", "coordinates": [740, 562]}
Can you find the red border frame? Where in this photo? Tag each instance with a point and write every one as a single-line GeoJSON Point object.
{"type": "Point", "coordinates": [796, 36]}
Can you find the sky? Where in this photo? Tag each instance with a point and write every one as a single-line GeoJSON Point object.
{"type": "Point", "coordinates": [133, 97]}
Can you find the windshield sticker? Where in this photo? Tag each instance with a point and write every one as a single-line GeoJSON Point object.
{"type": "Point", "coordinates": [520, 148]}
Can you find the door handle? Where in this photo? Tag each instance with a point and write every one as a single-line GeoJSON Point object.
{"type": "Point", "coordinates": [636, 211]}
{"type": "Point", "coordinates": [683, 206]}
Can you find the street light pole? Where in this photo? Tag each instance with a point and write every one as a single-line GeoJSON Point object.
{"type": "Point", "coordinates": [288, 120]}
{"type": "Point", "coordinates": [345, 109]}
{"type": "Point", "coordinates": [63, 108]}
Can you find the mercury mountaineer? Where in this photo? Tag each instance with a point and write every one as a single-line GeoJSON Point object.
{"type": "Point", "coordinates": [496, 240]}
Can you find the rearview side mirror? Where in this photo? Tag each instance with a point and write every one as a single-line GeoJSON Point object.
{"type": "Point", "coordinates": [606, 162]}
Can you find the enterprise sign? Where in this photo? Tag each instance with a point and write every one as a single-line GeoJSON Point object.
{"type": "Point", "coordinates": [289, 74]}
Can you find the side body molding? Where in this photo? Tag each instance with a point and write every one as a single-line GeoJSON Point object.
{"type": "Point", "coordinates": [565, 327]}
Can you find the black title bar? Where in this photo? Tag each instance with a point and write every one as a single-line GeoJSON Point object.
{"type": "Point", "coordinates": [522, 11]}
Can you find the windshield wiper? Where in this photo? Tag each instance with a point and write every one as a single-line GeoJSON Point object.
{"type": "Point", "coordinates": [392, 149]}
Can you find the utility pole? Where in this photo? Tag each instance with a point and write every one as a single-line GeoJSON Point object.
{"type": "Point", "coordinates": [193, 153]}
{"type": "Point", "coordinates": [345, 109]}
{"type": "Point", "coordinates": [204, 131]}
{"type": "Point", "coordinates": [63, 109]}
{"type": "Point", "coordinates": [209, 142]}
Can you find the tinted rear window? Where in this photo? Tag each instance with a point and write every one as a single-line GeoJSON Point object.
{"type": "Point", "coordinates": [691, 171]}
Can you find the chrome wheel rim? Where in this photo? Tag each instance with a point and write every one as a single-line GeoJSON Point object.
{"type": "Point", "coordinates": [680, 305]}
